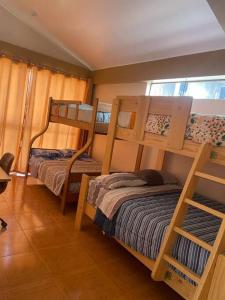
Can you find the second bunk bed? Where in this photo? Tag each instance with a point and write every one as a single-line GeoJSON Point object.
{"type": "Point", "coordinates": [174, 232]}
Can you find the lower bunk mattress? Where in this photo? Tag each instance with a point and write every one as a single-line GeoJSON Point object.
{"type": "Point", "coordinates": [52, 172]}
{"type": "Point", "coordinates": [142, 223]}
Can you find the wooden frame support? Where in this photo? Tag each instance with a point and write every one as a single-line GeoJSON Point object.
{"type": "Point", "coordinates": [111, 137]}
{"type": "Point", "coordinates": [82, 201]}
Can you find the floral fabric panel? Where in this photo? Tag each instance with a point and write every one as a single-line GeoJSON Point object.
{"type": "Point", "coordinates": [200, 128]}
{"type": "Point", "coordinates": [206, 129]}
{"type": "Point", "coordinates": [158, 124]}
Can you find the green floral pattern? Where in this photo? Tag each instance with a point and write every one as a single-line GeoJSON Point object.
{"type": "Point", "coordinates": [200, 128]}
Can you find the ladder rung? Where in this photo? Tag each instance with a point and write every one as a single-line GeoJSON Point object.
{"type": "Point", "coordinates": [172, 261]}
{"type": "Point", "coordinates": [210, 177]}
{"type": "Point", "coordinates": [205, 208]}
{"type": "Point", "coordinates": [193, 238]}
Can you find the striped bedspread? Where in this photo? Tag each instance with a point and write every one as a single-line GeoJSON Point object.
{"type": "Point", "coordinates": [53, 172]}
{"type": "Point", "coordinates": [142, 225]}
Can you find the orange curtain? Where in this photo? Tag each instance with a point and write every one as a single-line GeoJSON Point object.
{"type": "Point", "coordinates": [24, 96]}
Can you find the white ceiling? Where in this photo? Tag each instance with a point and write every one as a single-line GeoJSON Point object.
{"type": "Point", "coordinates": [105, 33]}
{"type": "Point", "coordinates": [16, 32]}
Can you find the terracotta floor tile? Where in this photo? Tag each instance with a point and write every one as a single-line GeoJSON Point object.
{"type": "Point", "coordinates": [13, 243]}
{"type": "Point", "coordinates": [34, 220]}
{"type": "Point", "coordinates": [89, 285]}
{"type": "Point", "coordinates": [5, 208]}
{"type": "Point", "coordinates": [45, 291]}
{"type": "Point", "coordinates": [43, 258]}
{"type": "Point", "coordinates": [66, 258]}
{"type": "Point", "coordinates": [13, 225]}
{"type": "Point", "coordinates": [3, 296]}
{"type": "Point", "coordinates": [23, 269]}
{"type": "Point", "coordinates": [47, 237]}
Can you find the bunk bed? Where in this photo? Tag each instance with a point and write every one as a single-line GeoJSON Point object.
{"type": "Point", "coordinates": [61, 170]}
{"type": "Point", "coordinates": [178, 135]}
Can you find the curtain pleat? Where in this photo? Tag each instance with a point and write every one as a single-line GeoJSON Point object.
{"type": "Point", "coordinates": [24, 98]}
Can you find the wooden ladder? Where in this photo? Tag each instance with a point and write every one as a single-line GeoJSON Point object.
{"type": "Point", "coordinates": [174, 229]}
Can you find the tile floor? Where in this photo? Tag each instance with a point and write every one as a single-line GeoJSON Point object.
{"type": "Point", "coordinates": [41, 257]}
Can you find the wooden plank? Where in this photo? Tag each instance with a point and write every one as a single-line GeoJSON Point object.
{"type": "Point", "coordinates": [217, 290]}
{"type": "Point", "coordinates": [218, 248]}
{"type": "Point", "coordinates": [129, 103]}
{"type": "Point", "coordinates": [201, 158]}
{"type": "Point", "coordinates": [141, 117]}
{"type": "Point", "coordinates": [139, 157]}
{"type": "Point", "coordinates": [193, 238]}
{"type": "Point", "coordinates": [66, 102]}
{"type": "Point", "coordinates": [179, 118]}
{"type": "Point", "coordinates": [126, 134]}
{"type": "Point", "coordinates": [181, 268]}
{"type": "Point", "coordinates": [158, 163]}
{"type": "Point", "coordinates": [161, 105]}
{"type": "Point", "coordinates": [4, 177]}
{"type": "Point", "coordinates": [69, 122]}
{"type": "Point", "coordinates": [111, 137]}
{"type": "Point", "coordinates": [180, 285]}
{"type": "Point", "coordinates": [205, 208]}
{"type": "Point", "coordinates": [149, 263]}
{"type": "Point", "coordinates": [90, 211]}
{"type": "Point", "coordinates": [210, 177]}
{"type": "Point", "coordinates": [81, 201]}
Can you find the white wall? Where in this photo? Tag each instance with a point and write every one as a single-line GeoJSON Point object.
{"type": "Point", "coordinates": [124, 152]}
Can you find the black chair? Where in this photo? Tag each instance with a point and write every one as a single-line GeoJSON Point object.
{"type": "Point", "coordinates": [5, 163]}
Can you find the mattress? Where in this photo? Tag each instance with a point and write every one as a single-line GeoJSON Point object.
{"type": "Point", "coordinates": [50, 167]}
{"type": "Point", "coordinates": [142, 225]}
{"type": "Point", "coordinates": [200, 128]}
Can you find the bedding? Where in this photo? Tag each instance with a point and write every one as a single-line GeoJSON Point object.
{"type": "Point", "coordinates": [200, 128]}
{"type": "Point", "coordinates": [141, 224]}
{"type": "Point", "coordinates": [156, 177]}
{"type": "Point", "coordinates": [52, 172]}
{"type": "Point", "coordinates": [109, 201]}
{"type": "Point", "coordinates": [117, 180]}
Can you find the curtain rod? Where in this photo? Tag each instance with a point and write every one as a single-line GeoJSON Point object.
{"type": "Point", "coordinates": [41, 66]}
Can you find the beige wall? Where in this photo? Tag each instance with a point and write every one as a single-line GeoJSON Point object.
{"type": "Point", "coordinates": [201, 64]}
{"type": "Point", "coordinates": [125, 152]}
{"type": "Point", "coordinates": [38, 58]}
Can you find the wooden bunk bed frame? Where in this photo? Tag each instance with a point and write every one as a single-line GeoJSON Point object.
{"type": "Point", "coordinates": [54, 116]}
{"type": "Point", "coordinates": [179, 108]}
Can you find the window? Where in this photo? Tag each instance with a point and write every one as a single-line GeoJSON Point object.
{"type": "Point", "coordinates": [198, 88]}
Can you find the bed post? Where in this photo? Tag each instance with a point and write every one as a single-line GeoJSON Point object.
{"type": "Point", "coordinates": [160, 155]}
{"type": "Point", "coordinates": [77, 154]}
{"type": "Point", "coordinates": [111, 137]}
{"type": "Point", "coordinates": [139, 157]}
{"type": "Point", "coordinates": [81, 202]}
{"type": "Point", "coordinates": [39, 134]}
{"type": "Point", "coordinates": [91, 133]}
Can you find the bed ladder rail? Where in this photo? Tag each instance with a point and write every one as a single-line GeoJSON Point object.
{"type": "Point", "coordinates": [175, 228]}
